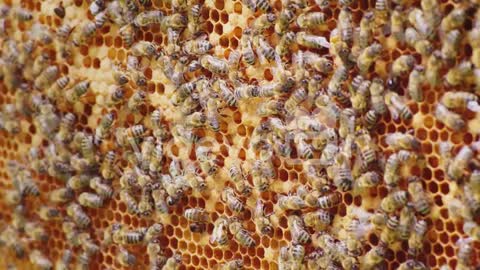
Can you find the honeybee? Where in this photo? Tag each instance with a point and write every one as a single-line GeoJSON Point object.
{"type": "Point", "coordinates": [36, 232]}
{"type": "Point", "coordinates": [225, 92]}
{"type": "Point", "coordinates": [374, 257]}
{"type": "Point", "coordinates": [413, 39]}
{"type": "Point", "coordinates": [368, 56]}
{"type": "Point", "coordinates": [471, 229]}
{"type": "Point", "coordinates": [284, 258]}
{"type": "Point", "coordinates": [407, 218]}
{"type": "Point", "coordinates": [173, 263]}
{"type": "Point", "coordinates": [393, 164]}
{"type": "Point", "coordinates": [415, 81]}
{"type": "Point", "coordinates": [367, 180]}
{"type": "Point", "coordinates": [193, 15]}
{"type": "Point", "coordinates": [342, 177]}
{"type": "Point", "coordinates": [365, 33]}
{"type": "Point", "coordinates": [465, 252]}
{"type": "Point", "coordinates": [270, 107]}
{"type": "Point", "coordinates": [127, 33]}
{"type": "Point", "coordinates": [197, 47]}
{"type": "Point", "coordinates": [214, 64]}
{"type": "Point", "coordinates": [159, 200]}
{"type": "Point", "coordinates": [402, 65]}
{"type": "Point", "coordinates": [261, 173]}
{"type": "Point", "coordinates": [175, 21]}
{"type": "Point", "coordinates": [402, 141]}
{"type": "Point", "coordinates": [196, 214]}
{"type": "Point", "coordinates": [116, 95]}
{"type": "Point", "coordinates": [136, 100]}
{"type": "Point", "coordinates": [264, 50]}
{"type": "Point", "coordinates": [148, 17]}
{"type": "Point", "coordinates": [102, 189]}
{"type": "Point", "coordinates": [53, 92]}
{"type": "Point", "coordinates": [27, 186]}
{"type": "Point", "coordinates": [232, 201]}
{"type": "Point", "coordinates": [263, 22]}
{"type": "Point", "coordinates": [397, 23]}
{"type": "Point", "coordinates": [453, 20]}
{"type": "Point", "coordinates": [77, 182]}
{"type": "Point", "coordinates": [456, 167]}
{"type": "Point", "coordinates": [286, 16]}
{"type": "Point", "coordinates": [143, 48]}
{"type": "Point", "coordinates": [262, 221]}
{"type": "Point", "coordinates": [73, 94]}
{"type": "Point", "coordinates": [220, 234]}
{"type": "Point", "coordinates": [242, 236]}
{"type": "Point", "coordinates": [65, 134]}
{"type": "Point", "coordinates": [128, 237]}
{"type": "Point", "coordinates": [393, 201]}
{"type": "Point", "coordinates": [345, 25]}
{"type": "Point", "coordinates": [451, 45]}
{"type": "Point", "coordinates": [311, 41]}
{"type": "Point", "coordinates": [238, 178]}
{"type": "Point", "coordinates": [83, 260]}
{"type": "Point", "coordinates": [397, 106]}
{"type": "Point", "coordinates": [389, 233]}
{"type": "Point", "coordinates": [247, 52]}
{"type": "Point", "coordinates": [212, 114]}
{"type": "Point", "coordinates": [339, 76]}
{"type": "Point", "coordinates": [40, 260]}
{"type": "Point", "coordinates": [87, 243]}
{"type": "Point", "coordinates": [102, 130]}
{"type": "Point", "coordinates": [232, 265]}
{"type": "Point", "coordinates": [415, 241]}
{"type": "Point", "coordinates": [371, 119]}
{"type": "Point", "coordinates": [63, 31]}
{"type": "Point", "coordinates": [450, 119]}
{"type": "Point", "coordinates": [290, 202]}
{"type": "Point", "coordinates": [64, 261]}
{"type": "Point", "coordinates": [91, 200]}
{"type": "Point", "coordinates": [460, 100]}
{"type": "Point", "coordinates": [46, 78]}
{"type": "Point", "coordinates": [311, 20]}
{"type": "Point", "coordinates": [119, 75]}
{"type": "Point", "coordinates": [12, 197]}
{"type": "Point", "coordinates": [83, 34]}
{"type": "Point", "coordinates": [18, 219]}
{"type": "Point", "coordinates": [125, 258]}
{"type": "Point", "coordinates": [294, 100]}
{"type": "Point", "coordinates": [129, 200]}
{"type": "Point", "coordinates": [47, 213]}
{"type": "Point", "coordinates": [318, 220]}
{"type": "Point", "coordinates": [434, 63]}
{"type": "Point", "coordinates": [419, 198]}
{"type": "Point", "coordinates": [417, 19]}
{"type": "Point", "coordinates": [329, 200]}
{"type": "Point", "coordinates": [458, 74]}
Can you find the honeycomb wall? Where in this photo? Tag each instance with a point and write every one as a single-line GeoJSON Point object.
{"type": "Point", "coordinates": [224, 23]}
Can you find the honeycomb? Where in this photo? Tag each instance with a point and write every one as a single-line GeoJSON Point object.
{"type": "Point", "coordinates": [126, 62]}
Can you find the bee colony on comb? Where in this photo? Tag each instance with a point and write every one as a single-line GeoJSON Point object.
{"type": "Point", "coordinates": [239, 134]}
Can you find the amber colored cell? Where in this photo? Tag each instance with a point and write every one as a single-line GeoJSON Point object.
{"type": "Point", "coordinates": [218, 29]}
{"type": "Point", "coordinates": [233, 43]}
{"type": "Point", "coordinates": [433, 135]}
{"type": "Point", "coordinates": [83, 50]}
{"type": "Point", "coordinates": [214, 15]}
{"type": "Point", "coordinates": [223, 41]}
{"type": "Point", "coordinates": [224, 17]}
{"type": "Point", "coordinates": [237, 8]}
{"type": "Point", "coordinates": [421, 134]}
{"type": "Point", "coordinates": [121, 55]}
{"type": "Point", "coordinates": [87, 62]}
